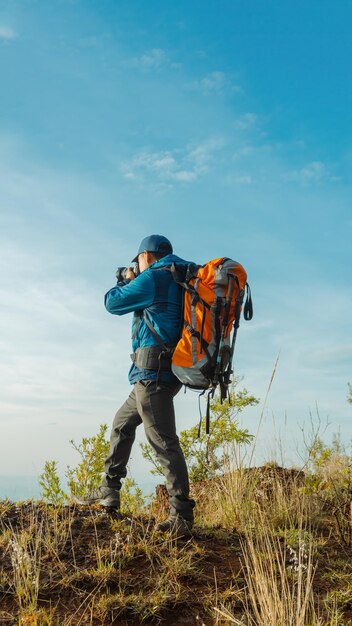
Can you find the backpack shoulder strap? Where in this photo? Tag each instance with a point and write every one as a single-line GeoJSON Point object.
{"type": "Point", "coordinates": [153, 331]}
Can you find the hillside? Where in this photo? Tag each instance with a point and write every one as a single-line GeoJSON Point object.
{"type": "Point", "coordinates": [69, 565]}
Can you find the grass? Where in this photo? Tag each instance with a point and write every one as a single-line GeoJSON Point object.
{"type": "Point", "coordinates": [271, 547]}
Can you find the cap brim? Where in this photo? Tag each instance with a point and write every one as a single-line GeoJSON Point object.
{"type": "Point", "coordinates": [135, 259]}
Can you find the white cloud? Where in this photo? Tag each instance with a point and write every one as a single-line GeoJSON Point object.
{"type": "Point", "coordinates": [153, 58]}
{"type": "Point", "coordinates": [150, 60]}
{"type": "Point", "coordinates": [248, 120]}
{"type": "Point", "coordinates": [182, 165]}
{"type": "Point", "coordinates": [7, 33]}
{"type": "Point", "coordinates": [203, 152]}
{"type": "Point", "coordinates": [314, 172]}
{"type": "Point", "coordinates": [215, 82]}
{"type": "Point", "coordinates": [162, 165]}
{"type": "Point", "coordinates": [186, 176]}
{"type": "Point", "coordinates": [130, 175]}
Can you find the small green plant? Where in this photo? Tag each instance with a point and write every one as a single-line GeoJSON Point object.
{"type": "Point", "coordinates": [86, 476]}
{"type": "Point", "coordinates": [339, 598]}
{"type": "Point", "coordinates": [321, 455]}
{"type": "Point", "coordinates": [330, 480]}
{"type": "Point", "coordinates": [132, 498]}
{"type": "Point", "coordinates": [81, 479]}
{"type": "Point", "coordinates": [50, 483]}
{"type": "Point", "coordinates": [208, 455]}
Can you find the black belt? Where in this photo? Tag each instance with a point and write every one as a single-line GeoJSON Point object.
{"type": "Point", "coordinates": [153, 358]}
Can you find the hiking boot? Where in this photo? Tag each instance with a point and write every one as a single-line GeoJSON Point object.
{"type": "Point", "coordinates": [177, 526]}
{"type": "Point", "coordinates": [103, 496]}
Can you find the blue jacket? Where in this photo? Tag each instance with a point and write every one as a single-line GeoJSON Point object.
{"type": "Point", "coordinates": [155, 291]}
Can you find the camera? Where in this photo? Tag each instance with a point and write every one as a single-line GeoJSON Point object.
{"type": "Point", "coordinates": [121, 272]}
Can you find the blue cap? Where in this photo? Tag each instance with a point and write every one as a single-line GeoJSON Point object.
{"type": "Point", "coordinates": [154, 243]}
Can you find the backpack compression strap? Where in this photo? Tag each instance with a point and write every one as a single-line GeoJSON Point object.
{"type": "Point", "coordinates": [248, 305]}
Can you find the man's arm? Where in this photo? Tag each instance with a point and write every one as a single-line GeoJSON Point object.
{"type": "Point", "coordinates": [137, 294]}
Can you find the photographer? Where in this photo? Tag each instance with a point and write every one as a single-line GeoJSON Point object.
{"type": "Point", "coordinates": [155, 299]}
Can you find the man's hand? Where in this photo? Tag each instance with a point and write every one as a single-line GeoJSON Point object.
{"type": "Point", "coordinates": [130, 275]}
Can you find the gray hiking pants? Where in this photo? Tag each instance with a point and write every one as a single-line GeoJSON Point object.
{"type": "Point", "coordinates": [153, 405]}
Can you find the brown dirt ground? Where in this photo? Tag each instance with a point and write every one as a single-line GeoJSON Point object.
{"type": "Point", "coordinates": [67, 582]}
{"type": "Point", "coordinates": [69, 577]}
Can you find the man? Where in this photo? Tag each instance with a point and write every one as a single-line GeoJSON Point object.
{"type": "Point", "coordinates": [156, 302]}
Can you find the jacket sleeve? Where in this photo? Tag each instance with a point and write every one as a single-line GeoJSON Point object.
{"type": "Point", "coordinates": [137, 294]}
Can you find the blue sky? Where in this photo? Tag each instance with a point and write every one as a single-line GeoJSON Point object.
{"type": "Point", "coordinates": [225, 126]}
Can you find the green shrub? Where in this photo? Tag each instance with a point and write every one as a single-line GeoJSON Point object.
{"type": "Point", "coordinates": [132, 499]}
{"type": "Point", "coordinates": [51, 486]}
{"type": "Point", "coordinates": [330, 480]}
{"type": "Point", "coordinates": [87, 475]}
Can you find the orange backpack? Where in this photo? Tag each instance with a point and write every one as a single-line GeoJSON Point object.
{"type": "Point", "coordinates": [213, 298]}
